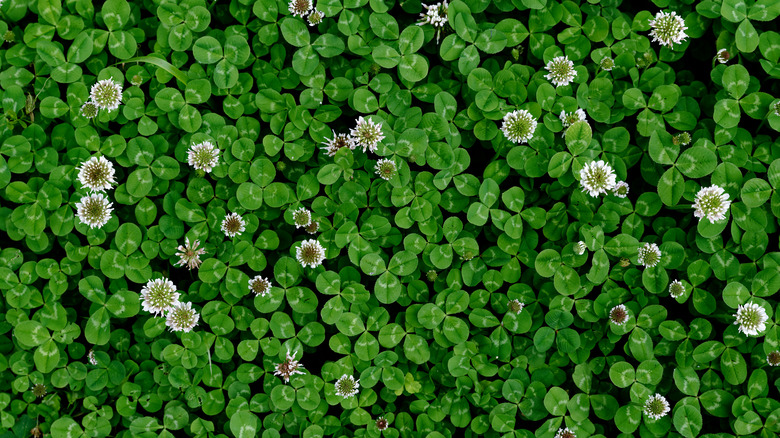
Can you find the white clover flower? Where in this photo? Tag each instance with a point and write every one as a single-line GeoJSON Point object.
{"type": "Point", "coordinates": [580, 248]}
{"type": "Point", "coordinates": [621, 189]}
{"type": "Point", "coordinates": [565, 432]}
{"type": "Point", "coordinates": [233, 225]}
{"type": "Point", "coordinates": [723, 56]}
{"type": "Point", "coordinates": [607, 63]}
{"type": "Point", "coordinates": [668, 29]}
{"type": "Point", "coordinates": [301, 217]}
{"type": "Point", "coordinates": [313, 227]}
{"type": "Point", "coordinates": [182, 318]}
{"type": "Point", "coordinates": [618, 315]}
{"type": "Point", "coordinates": [299, 8]}
{"type": "Point", "coordinates": [561, 71]}
{"type": "Point", "coordinates": [676, 289]}
{"type": "Point", "coordinates": [189, 254]}
{"type": "Point", "coordinates": [310, 253]}
{"type": "Point", "coordinates": [96, 174]}
{"type": "Point", "coordinates": [681, 139]}
{"type": "Point", "coordinates": [288, 368]}
{"type": "Point", "coordinates": [94, 210]}
{"type": "Point", "coordinates": [649, 255]}
{"type": "Point", "coordinates": [436, 16]}
{"type": "Point", "coordinates": [106, 94]}
{"type": "Point", "coordinates": [597, 177]}
{"type": "Point", "coordinates": [518, 126]}
{"type": "Point", "coordinates": [773, 358]}
{"type": "Point", "coordinates": [315, 17]}
{"type": "Point", "coordinates": [381, 423]}
{"type": "Point", "coordinates": [203, 156]}
{"type": "Point", "coordinates": [260, 286]}
{"type": "Point", "coordinates": [89, 109]}
{"type": "Point", "coordinates": [751, 319]}
{"type": "Point", "coordinates": [516, 306]}
{"type": "Point", "coordinates": [656, 406]}
{"type": "Point", "coordinates": [159, 296]}
{"type": "Point", "coordinates": [711, 202]}
{"type": "Point", "coordinates": [568, 119]}
{"type": "Point", "coordinates": [347, 386]}
{"type": "Point", "coordinates": [91, 357]}
{"type": "Point", "coordinates": [337, 142]}
{"type": "Point", "coordinates": [367, 134]}
{"type": "Point", "coordinates": [385, 168]}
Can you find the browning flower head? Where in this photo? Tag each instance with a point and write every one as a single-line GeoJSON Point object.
{"type": "Point", "coordinates": [313, 227]}
{"type": "Point", "coordinates": [618, 315]}
{"type": "Point", "coordinates": [773, 358]}
{"type": "Point", "coordinates": [723, 56]}
{"type": "Point", "coordinates": [381, 423]}
{"type": "Point", "coordinates": [337, 142]}
{"type": "Point", "coordinates": [288, 368]}
{"type": "Point", "coordinates": [260, 286]}
{"type": "Point", "coordinates": [299, 8]}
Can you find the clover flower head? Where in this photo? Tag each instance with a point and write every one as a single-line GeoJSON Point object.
{"type": "Point", "coordinates": [189, 254]}
{"type": "Point", "coordinates": [233, 225]}
{"type": "Point", "coordinates": [106, 94]}
{"type": "Point", "coordinates": [313, 227]}
{"type": "Point", "coordinates": [159, 296]}
{"type": "Point", "coordinates": [607, 63]}
{"type": "Point", "coordinates": [89, 109]}
{"type": "Point", "coordinates": [203, 156]}
{"type": "Point", "coordinates": [561, 71]}
{"type": "Point", "coordinates": [565, 432]}
{"type": "Point", "coordinates": [299, 8]}
{"type": "Point", "coordinates": [385, 168]}
{"type": "Point", "coordinates": [751, 319]}
{"type": "Point", "coordinates": [39, 390]}
{"type": "Point", "coordinates": [649, 255]}
{"type": "Point", "coordinates": [568, 119]}
{"type": "Point", "coordinates": [260, 286]}
{"type": "Point", "coordinates": [668, 28]}
{"type": "Point", "coordinates": [681, 139]}
{"type": "Point", "coordinates": [310, 253]}
{"type": "Point", "coordinates": [597, 177]}
{"type": "Point", "coordinates": [96, 174]}
{"type": "Point", "coordinates": [381, 423]}
{"type": "Point", "coordinates": [773, 358]}
{"type": "Point", "coordinates": [436, 16]}
{"type": "Point", "coordinates": [776, 108]}
{"type": "Point", "coordinates": [711, 202]}
{"type": "Point", "coordinates": [315, 17]}
{"type": "Point", "coordinates": [723, 56]}
{"type": "Point", "coordinates": [518, 126]}
{"type": "Point", "coordinates": [91, 357]}
{"type": "Point", "coordinates": [516, 306]}
{"type": "Point", "coordinates": [621, 189]}
{"type": "Point", "coordinates": [367, 134]}
{"type": "Point", "coordinates": [676, 289]}
{"type": "Point", "coordinates": [431, 275]}
{"type": "Point", "coordinates": [301, 217]}
{"type": "Point", "coordinates": [182, 318]}
{"type": "Point", "coordinates": [94, 210]}
{"type": "Point", "coordinates": [618, 315]}
{"type": "Point", "coordinates": [337, 142]}
{"type": "Point", "coordinates": [580, 248]}
{"type": "Point", "coordinates": [656, 406]}
{"type": "Point", "coordinates": [347, 386]}
{"type": "Point", "coordinates": [288, 368]}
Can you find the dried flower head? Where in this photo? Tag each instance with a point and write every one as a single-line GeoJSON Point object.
{"type": "Point", "coordinates": [106, 94]}
{"type": "Point", "coordinates": [288, 368]}
{"type": "Point", "coordinates": [315, 17]}
{"type": "Point", "coordinates": [597, 177]}
{"type": "Point", "coordinates": [676, 289]}
{"type": "Point", "coordinates": [668, 28]}
{"type": "Point", "coordinates": [773, 358]}
{"type": "Point", "coordinates": [381, 423]}
{"type": "Point", "coordinates": [96, 174]}
{"type": "Point", "coordinates": [91, 357]}
{"type": "Point", "coordinates": [565, 432]}
{"type": "Point", "coordinates": [36, 431]}
{"type": "Point", "coordinates": [182, 318]}
{"type": "Point", "coordinates": [39, 390]}
{"type": "Point", "coordinates": [313, 227]}
{"type": "Point", "coordinates": [89, 109]}
{"type": "Point", "coordinates": [618, 315]}
{"type": "Point", "coordinates": [159, 296]}
{"type": "Point", "coordinates": [711, 202]}
{"type": "Point", "coordinates": [621, 189]}
{"type": "Point", "coordinates": [203, 156]}
{"type": "Point", "coordinates": [649, 255]}
{"type": "Point", "coordinates": [189, 254]}
{"type": "Point", "coordinates": [367, 134]}
{"type": "Point", "coordinates": [607, 63]}
{"type": "Point", "coordinates": [561, 71]}
{"type": "Point", "coordinates": [515, 306]}
{"type": "Point", "coordinates": [301, 217]}
{"type": "Point", "coordinates": [260, 286]}
{"type": "Point", "coordinates": [385, 168]}
{"type": "Point", "coordinates": [94, 210]}
{"type": "Point", "coordinates": [751, 319]}
{"type": "Point", "coordinates": [681, 139]}
{"type": "Point", "coordinates": [518, 126]}
{"type": "Point", "coordinates": [347, 386]}
{"type": "Point", "coordinates": [337, 142]}
{"type": "Point", "coordinates": [580, 248]}
{"type": "Point", "coordinates": [299, 8]}
{"type": "Point", "coordinates": [656, 406]}
{"type": "Point", "coordinates": [436, 16]}
{"type": "Point", "coordinates": [233, 225]}
{"type": "Point", "coordinates": [310, 253]}
{"type": "Point", "coordinates": [723, 56]}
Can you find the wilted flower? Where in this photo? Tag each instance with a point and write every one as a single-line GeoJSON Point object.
{"type": "Point", "coordinates": [561, 71]}
{"type": "Point", "coordinates": [89, 109]}
{"type": "Point", "coordinates": [751, 319]}
{"type": "Point", "coordinates": [347, 386]}
{"type": "Point", "coordinates": [96, 174]}
{"type": "Point", "coordinates": [385, 168]}
{"type": "Point", "coordinates": [656, 406]}
{"type": "Point", "coordinates": [676, 289]}
{"type": "Point", "coordinates": [580, 248]}
{"type": "Point", "coordinates": [618, 315]}
{"type": "Point", "coordinates": [367, 134]}
{"type": "Point", "coordinates": [711, 202]}
{"type": "Point", "coordinates": [518, 126]}
{"type": "Point", "coordinates": [288, 368]}
{"type": "Point", "coordinates": [773, 358]}
{"type": "Point", "coordinates": [310, 253]}
{"type": "Point", "coordinates": [597, 177]}
{"type": "Point", "coordinates": [381, 423]}
{"type": "Point", "coordinates": [94, 210]}
{"type": "Point", "coordinates": [621, 189]}
{"type": "Point", "coordinates": [649, 255]}
{"type": "Point", "coordinates": [435, 15]}
{"type": "Point", "coordinates": [39, 390]}
{"type": "Point", "coordinates": [313, 227]}
{"type": "Point", "coordinates": [203, 156]}
{"type": "Point", "coordinates": [182, 318]}
{"type": "Point", "coordinates": [315, 17]}
{"type": "Point", "coordinates": [681, 139]}
{"type": "Point", "coordinates": [189, 254]}
{"type": "Point", "coordinates": [301, 217]}
{"type": "Point", "coordinates": [260, 286]}
{"type": "Point", "coordinates": [337, 142]}
{"type": "Point", "coordinates": [299, 8]}
{"type": "Point", "coordinates": [607, 63]}
{"type": "Point", "coordinates": [515, 306]}
{"type": "Point", "coordinates": [668, 29]}
{"type": "Point", "coordinates": [568, 119]}
{"type": "Point", "coordinates": [233, 225]}
{"type": "Point", "coordinates": [723, 56]}
{"type": "Point", "coordinates": [106, 94]}
{"type": "Point", "coordinates": [91, 357]}
{"type": "Point", "coordinates": [159, 296]}
{"type": "Point", "coordinates": [565, 432]}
